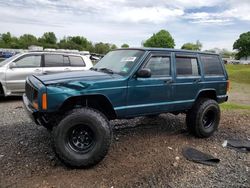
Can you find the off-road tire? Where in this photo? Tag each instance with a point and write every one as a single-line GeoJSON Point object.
{"type": "Point", "coordinates": [203, 118]}
{"type": "Point", "coordinates": [96, 124]}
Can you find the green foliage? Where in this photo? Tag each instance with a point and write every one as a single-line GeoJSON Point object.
{"type": "Point", "coordinates": [27, 40]}
{"type": "Point", "coordinates": [125, 46]}
{"type": "Point", "coordinates": [239, 73]}
{"type": "Point", "coordinates": [49, 40]}
{"type": "Point", "coordinates": [243, 45]}
{"type": "Point", "coordinates": [233, 106]}
{"type": "Point", "coordinates": [76, 42]}
{"type": "Point", "coordinates": [103, 48]}
{"type": "Point", "coordinates": [162, 39]}
{"type": "Point", "coordinates": [192, 46]}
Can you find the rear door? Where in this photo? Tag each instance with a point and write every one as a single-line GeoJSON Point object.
{"type": "Point", "coordinates": [21, 68]}
{"type": "Point", "coordinates": [55, 63]}
{"type": "Point", "coordinates": [187, 82]}
{"type": "Point", "coordinates": [77, 63]}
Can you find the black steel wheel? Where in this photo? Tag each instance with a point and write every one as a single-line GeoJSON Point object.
{"type": "Point", "coordinates": [81, 138]}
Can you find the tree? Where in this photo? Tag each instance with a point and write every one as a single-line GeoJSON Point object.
{"type": "Point", "coordinates": [103, 48]}
{"type": "Point", "coordinates": [76, 42]}
{"type": "Point", "coordinates": [48, 40]}
{"type": "Point", "coordinates": [162, 39]}
{"type": "Point", "coordinates": [125, 46]}
{"type": "Point", "coordinates": [191, 46]}
{"type": "Point", "coordinates": [27, 40]}
{"type": "Point", "coordinates": [242, 45]}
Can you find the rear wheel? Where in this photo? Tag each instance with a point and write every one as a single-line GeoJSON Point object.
{"type": "Point", "coordinates": [204, 117]}
{"type": "Point", "coordinates": [82, 138]}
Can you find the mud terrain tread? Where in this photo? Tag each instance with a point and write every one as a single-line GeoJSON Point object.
{"type": "Point", "coordinates": [192, 118]}
{"type": "Point", "coordinates": [106, 143]}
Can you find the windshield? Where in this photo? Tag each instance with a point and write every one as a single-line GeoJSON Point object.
{"type": "Point", "coordinates": [4, 62]}
{"type": "Point", "coordinates": [119, 61]}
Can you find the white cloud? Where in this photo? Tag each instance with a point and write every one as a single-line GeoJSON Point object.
{"type": "Point", "coordinates": [129, 21]}
{"type": "Point", "coordinates": [148, 14]}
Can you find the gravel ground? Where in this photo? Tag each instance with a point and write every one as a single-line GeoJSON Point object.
{"type": "Point", "coordinates": [144, 153]}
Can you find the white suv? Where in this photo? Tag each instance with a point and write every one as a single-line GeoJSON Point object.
{"type": "Point", "coordinates": [13, 71]}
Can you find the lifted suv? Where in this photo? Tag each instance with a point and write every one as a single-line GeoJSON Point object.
{"type": "Point", "coordinates": [126, 83]}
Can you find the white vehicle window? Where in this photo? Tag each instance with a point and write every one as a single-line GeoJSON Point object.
{"type": "Point", "coordinates": [76, 61]}
{"type": "Point", "coordinates": [29, 61]}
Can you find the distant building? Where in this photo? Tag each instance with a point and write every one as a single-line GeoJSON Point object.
{"type": "Point", "coordinates": [246, 58]}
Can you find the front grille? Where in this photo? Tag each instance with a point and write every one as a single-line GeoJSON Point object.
{"type": "Point", "coordinates": [29, 91]}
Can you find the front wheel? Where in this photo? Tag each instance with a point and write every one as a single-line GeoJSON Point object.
{"type": "Point", "coordinates": [82, 138]}
{"type": "Point", "coordinates": [204, 117]}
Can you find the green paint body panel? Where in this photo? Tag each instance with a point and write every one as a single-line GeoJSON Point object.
{"type": "Point", "coordinates": [129, 95]}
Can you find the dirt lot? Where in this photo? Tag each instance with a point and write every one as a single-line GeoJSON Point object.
{"type": "Point", "coordinates": [144, 153]}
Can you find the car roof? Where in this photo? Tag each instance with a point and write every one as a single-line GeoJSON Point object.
{"type": "Point", "coordinates": [169, 50]}
{"type": "Point", "coordinates": [53, 52]}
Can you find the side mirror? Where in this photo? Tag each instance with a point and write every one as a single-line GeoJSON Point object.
{"type": "Point", "coordinates": [144, 73]}
{"type": "Point", "coordinates": [12, 65]}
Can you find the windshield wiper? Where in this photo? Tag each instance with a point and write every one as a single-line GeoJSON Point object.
{"type": "Point", "coordinates": [106, 70]}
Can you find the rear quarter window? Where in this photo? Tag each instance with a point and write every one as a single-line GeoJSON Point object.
{"type": "Point", "coordinates": [76, 61]}
{"type": "Point", "coordinates": [211, 65]}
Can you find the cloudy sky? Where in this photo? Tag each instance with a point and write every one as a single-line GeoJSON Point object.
{"type": "Point", "coordinates": [216, 23]}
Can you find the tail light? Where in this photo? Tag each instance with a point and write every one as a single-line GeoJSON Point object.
{"type": "Point", "coordinates": [228, 85]}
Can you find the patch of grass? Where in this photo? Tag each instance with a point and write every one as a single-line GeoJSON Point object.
{"type": "Point", "coordinates": [239, 73]}
{"type": "Point", "coordinates": [233, 106]}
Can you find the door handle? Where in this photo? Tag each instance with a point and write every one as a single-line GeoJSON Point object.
{"type": "Point", "coordinates": [168, 81]}
{"type": "Point", "coordinates": [67, 69]}
{"type": "Point", "coordinates": [38, 70]}
{"type": "Point", "coordinates": [197, 80]}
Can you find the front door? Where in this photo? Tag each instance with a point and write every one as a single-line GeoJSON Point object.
{"type": "Point", "coordinates": [21, 68]}
{"type": "Point", "coordinates": [151, 95]}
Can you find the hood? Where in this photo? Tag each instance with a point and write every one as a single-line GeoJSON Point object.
{"type": "Point", "coordinates": [87, 75]}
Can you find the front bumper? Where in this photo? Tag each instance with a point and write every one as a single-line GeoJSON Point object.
{"type": "Point", "coordinates": [31, 111]}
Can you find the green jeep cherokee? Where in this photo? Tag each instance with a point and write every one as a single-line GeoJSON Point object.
{"type": "Point", "coordinates": [126, 83]}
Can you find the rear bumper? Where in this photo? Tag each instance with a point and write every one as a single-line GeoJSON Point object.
{"type": "Point", "coordinates": [222, 98]}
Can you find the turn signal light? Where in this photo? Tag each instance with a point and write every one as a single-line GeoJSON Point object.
{"type": "Point", "coordinates": [44, 101]}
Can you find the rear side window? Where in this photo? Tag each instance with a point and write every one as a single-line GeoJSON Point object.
{"type": "Point", "coordinates": [52, 60]}
{"type": "Point", "coordinates": [159, 66]}
{"type": "Point", "coordinates": [187, 66]}
{"type": "Point", "coordinates": [76, 61]}
{"type": "Point", "coordinates": [212, 65]}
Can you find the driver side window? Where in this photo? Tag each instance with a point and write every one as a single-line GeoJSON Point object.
{"type": "Point", "coordinates": [159, 66]}
{"type": "Point", "coordinates": [29, 61]}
